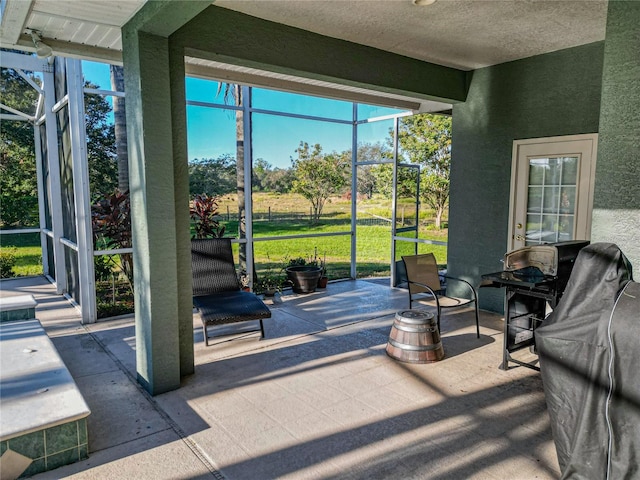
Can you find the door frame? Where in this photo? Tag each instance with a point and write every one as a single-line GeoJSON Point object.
{"type": "Point", "coordinates": [586, 178]}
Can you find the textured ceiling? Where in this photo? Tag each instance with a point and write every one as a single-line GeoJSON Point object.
{"type": "Point", "coordinates": [465, 34]}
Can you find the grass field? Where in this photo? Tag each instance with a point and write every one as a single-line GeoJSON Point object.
{"type": "Point", "coordinates": [373, 242]}
{"type": "Point", "coordinates": [28, 253]}
{"type": "Point", "coordinates": [373, 245]}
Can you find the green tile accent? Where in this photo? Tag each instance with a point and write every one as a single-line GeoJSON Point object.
{"type": "Point", "coordinates": [52, 447]}
{"type": "Point", "coordinates": [83, 452]}
{"type": "Point", "coordinates": [30, 445]}
{"type": "Point", "coordinates": [82, 431]}
{"type": "Point", "coordinates": [37, 466]}
{"type": "Point", "coordinates": [21, 314]}
{"type": "Point", "coordinates": [62, 458]}
{"type": "Point", "coordinates": [62, 437]}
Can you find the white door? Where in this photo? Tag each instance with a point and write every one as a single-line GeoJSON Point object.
{"type": "Point", "coordinates": [552, 189]}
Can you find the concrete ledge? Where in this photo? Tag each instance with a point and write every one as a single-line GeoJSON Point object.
{"type": "Point", "coordinates": [43, 422]}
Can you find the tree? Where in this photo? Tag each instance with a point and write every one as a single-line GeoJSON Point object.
{"type": "Point", "coordinates": [279, 180]}
{"type": "Point", "coordinates": [405, 183]}
{"type": "Point", "coordinates": [261, 170]}
{"type": "Point", "coordinates": [101, 146]}
{"type": "Point", "coordinates": [213, 176]}
{"type": "Point", "coordinates": [232, 94]}
{"type": "Point", "coordinates": [318, 175]}
{"type": "Point", "coordinates": [426, 140]}
{"type": "Point", "coordinates": [18, 186]}
{"type": "Point", "coordinates": [120, 124]}
{"type": "Point", "coordinates": [269, 179]}
{"type": "Point", "coordinates": [367, 182]}
{"type": "Point", "coordinates": [18, 183]}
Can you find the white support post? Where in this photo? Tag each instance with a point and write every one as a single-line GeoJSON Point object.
{"type": "Point", "coordinates": [37, 139]}
{"type": "Point", "coordinates": [55, 195]}
{"type": "Point", "coordinates": [354, 189]}
{"type": "Point", "coordinates": [394, 202]}
{"type": "Point", "coordinates": [81, 190]}
{"type": "Point", "coordinates": [248, 169]}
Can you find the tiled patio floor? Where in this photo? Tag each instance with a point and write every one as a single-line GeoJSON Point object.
{"type": "Point", "coordinates": [318, 398]}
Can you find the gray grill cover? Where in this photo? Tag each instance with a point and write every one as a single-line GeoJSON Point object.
{"type": "Point", "coordinates": [594, 328]}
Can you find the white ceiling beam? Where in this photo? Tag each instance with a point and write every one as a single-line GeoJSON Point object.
{"type": "Point", "coordinates": [71, 50]}
{"type": "Point", "coordinates": [244, 78]}
{"type": "Point", "coordinates": [22, 62]}
{"type": "Point", "coordinates": [14, 16]}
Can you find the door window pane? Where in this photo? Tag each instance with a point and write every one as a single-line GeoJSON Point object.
{"type": "Point", "coordinates": [552, 191]}
{"type": "Point", "coordinates": [568, 200]}
{"type": "Point", "coordinates": [565, 228]}
{"type": "Point", "coordinates": [551, 198]}
{"type": "Point", "coordinates": [553, 172]}
{"type": "Point", "coordinates": [536, 170]}
{"type": "Point", "coordinates": [569, 170]}
{"type": "Point", "coordinates": [533, 229]}
{"type": "Point", "coordinates": [534, 200]}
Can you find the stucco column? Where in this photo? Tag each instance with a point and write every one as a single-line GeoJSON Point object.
{"type": "Point", "coordinates": [154, 214]}
{"type": "Point", "coordinates": [616, 213]}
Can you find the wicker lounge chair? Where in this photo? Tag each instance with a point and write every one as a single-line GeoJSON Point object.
{"type": "Point", "coordinates": [216, 288]}
{"type": "Point", "coordinates": [425, 286]}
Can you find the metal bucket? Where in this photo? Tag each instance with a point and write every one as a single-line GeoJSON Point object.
{"type": "Point", "coordinates": [415, 338]}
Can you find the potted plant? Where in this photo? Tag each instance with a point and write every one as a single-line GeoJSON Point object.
{"type": "Point", "coordinates": [269, 283]}
{"type": "Point", "coordinates": [303, 274]}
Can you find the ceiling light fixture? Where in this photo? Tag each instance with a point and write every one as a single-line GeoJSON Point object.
{"type": "Point", "coordinates": [42, 49]}
{"type": "Point", "coordinates": [422, 3]}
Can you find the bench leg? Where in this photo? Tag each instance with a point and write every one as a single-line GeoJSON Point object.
{"type": "Point", "coordinates": [206, 337]}
{"type": "Point", "coordinates": [204, 332]}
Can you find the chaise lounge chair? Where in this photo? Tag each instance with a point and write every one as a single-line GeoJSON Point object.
{"type": "Point", "coordinates": [217, 293]}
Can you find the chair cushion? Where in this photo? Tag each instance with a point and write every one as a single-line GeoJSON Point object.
{"type": "Point", "coordinates": [230, 307]}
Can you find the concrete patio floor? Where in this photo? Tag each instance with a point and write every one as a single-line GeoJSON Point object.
{"type": "Point", "coordinates": [318, 398]}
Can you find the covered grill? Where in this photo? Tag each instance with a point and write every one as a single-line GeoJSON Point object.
{"type": "Point", "coordinates": [534, 277]}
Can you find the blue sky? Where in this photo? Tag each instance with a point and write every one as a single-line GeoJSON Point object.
{"type": "Point", "coordinates": [211, 131]}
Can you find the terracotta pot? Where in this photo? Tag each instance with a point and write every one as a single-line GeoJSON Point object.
{"type": "Point", "coordinates": [322, 282]}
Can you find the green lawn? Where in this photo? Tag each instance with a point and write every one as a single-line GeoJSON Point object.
{"type": "Point", "coordinates": [373, 245]}
{"type": "Point", "coordinates": [372, 249]}
{"type": "Point", "coordinates": [28, 252]}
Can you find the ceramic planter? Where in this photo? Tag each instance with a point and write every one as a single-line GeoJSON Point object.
{"type": "Point", "coordinates": [304, 278]}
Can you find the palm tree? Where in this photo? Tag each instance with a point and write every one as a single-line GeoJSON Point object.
{"type": "Point", "coordinates": [119, 115]}
{"type": "Point", "coordinates": [232, 94]}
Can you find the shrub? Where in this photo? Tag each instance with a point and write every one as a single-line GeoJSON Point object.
{"type": "Point", "coordinates": [204, 213]}
{"type": "Point", "coordinates": [111, 221]}
{"type": "Point", "coordinates": [7, 262]}
{"type": "Point", "coordinates": [103, 268]}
